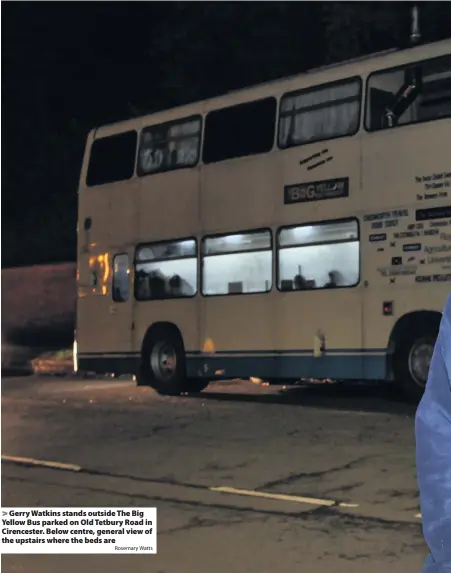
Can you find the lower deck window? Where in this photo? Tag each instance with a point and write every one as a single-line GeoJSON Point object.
{"type": "Point", "coordinates": [237, 264]}
{"type": "Point", "coordinates": [319, 256]}
{"type": "Point", "coordinates": [166, 270]}
{"type": "Point", "coordinates": [121, 278]}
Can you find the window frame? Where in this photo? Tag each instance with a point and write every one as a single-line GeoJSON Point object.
{"type": "Point", "coordinates": [165, 242]}
{"type": "Point", "coordinates": [317, 243]}
{"type": "Point", "coordinates": [241, 232]}
{"type": "Point", "coordinates": [313, 89]}
{"type": "Point", "coordinates": [168, 125]}
{"type": "Point", "coordinates": [113, 135]}
{"type": "Point", "coordinates": [272, 97]}
{"type": "Point", "coordinates": [122, 253]}
{"type": "Point", "coordinates": [396, 69]}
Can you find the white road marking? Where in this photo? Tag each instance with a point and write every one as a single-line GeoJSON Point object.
{"type": "Point", "coordinates": [219, 489]}
{"type": "Point", "coordinates": [43, 463]}
{"type": "Point", "coordinates": [276, 496]}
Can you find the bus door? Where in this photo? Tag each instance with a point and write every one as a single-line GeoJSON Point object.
{"type": "Point", "coordinates": [105, 312]}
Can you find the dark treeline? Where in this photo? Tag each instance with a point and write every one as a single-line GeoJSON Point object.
{"type": "Point", "coordinates": [68, 67]}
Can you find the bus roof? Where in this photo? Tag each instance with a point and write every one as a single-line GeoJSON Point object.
{"type": "Point", "coordinates": [285, 83]}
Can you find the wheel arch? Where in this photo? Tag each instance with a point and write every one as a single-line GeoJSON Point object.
{"type": "Point", "coordinates": [418, 320]}
{"type": "Point", "coordinates": [161, 325]}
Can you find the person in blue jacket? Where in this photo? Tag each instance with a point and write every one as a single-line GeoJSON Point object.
{"type": "Point", "coordinates": [433, 445]}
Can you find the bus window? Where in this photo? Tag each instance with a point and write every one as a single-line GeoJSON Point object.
{"type": "Point", "coordinates": [323, 255]}
{"type": "Point", "coordinates": [319, 113]}
{"type": "Point", "coordinates": [121, 278]}
{"type": "Point", "coordinates": [112, 159]}
{"type": "Point", "coordinates": [240, 130]}
{"type": "Point", "coordinates": [415, 93]}
{"type": "Point", "coordinates": [166, 270]}
{"type": "Point", "coordinates": [240, 263]}
{"type": "Point", "coordinates": [169, 146]}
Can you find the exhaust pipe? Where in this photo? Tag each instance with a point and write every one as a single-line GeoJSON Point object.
{"type": "Point", "coordinates": [415, 35]}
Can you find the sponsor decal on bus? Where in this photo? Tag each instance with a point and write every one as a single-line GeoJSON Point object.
{"type": "Point", "coordinates": [409, 247]}
{"type": "Point", "coordinates": [316, 191]}
{"type": "Point", "coordinates": [433, 278]}
{"type": "Point", "coordinates": [433, 213]}
{"type": "Point", "coordinates": [394, 271]}
{"type": "Point", "coordinates": [378, 237]}
{"type": "Point", "coordinates": [396, 213]}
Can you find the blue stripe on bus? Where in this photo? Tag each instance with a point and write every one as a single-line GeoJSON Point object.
{"type": "Point", "coordinates": [357, 366]}
{"type": "Point", "coordinates": [371, 367]}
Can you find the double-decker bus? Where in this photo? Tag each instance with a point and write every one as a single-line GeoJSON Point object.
{"type": "Point", "coordinates": [296, 229]}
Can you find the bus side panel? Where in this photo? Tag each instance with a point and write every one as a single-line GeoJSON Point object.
{"type": "Point", "coordinates": [328, 320]}
{"type": "Point", "coordinates": [183, 313]}
{"type": "Point", "coordinates": [331, 171]}
{"type": "Point", "coordinates": [179, 192]}
{"type": "Point", "coordinates": [320, 165]}
{"type": "Point", "coordinates": [237, 195]}
{"type": "Point", "coordinates": [406, 255]}
{"type": "Point", "coordinates": [238, 337]}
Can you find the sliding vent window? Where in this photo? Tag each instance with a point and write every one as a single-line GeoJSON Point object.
{"type": "Point", "coordinates": [320, 113]}
{"type": "Point", "coordinates": [166, 270]}
{"type": "Point", "coordinates": [326, 255]}
{"type": "Point", "coordinates": [121, 278]}
{"type": "Point", "coordinates": [112, 159]}
{"type": "Point", "coordinates": [237, 264]}
{"type": "Point", "coordinates": [169, 146]}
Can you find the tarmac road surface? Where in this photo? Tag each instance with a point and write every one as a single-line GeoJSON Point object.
{"type": "Point", "coordinates": [245, 478]}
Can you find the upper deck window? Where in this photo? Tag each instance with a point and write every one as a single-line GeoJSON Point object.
{"type": "Point", "coordinates": [410, 94]}
{"type": "Point", "coordinates": [169, 146]}
{"type": "Point", "coordinates": [240, 130]}
{"type": "Point", "coordinates": [112, 159]}
{"type": "Point", "coordinates": [319, 113]}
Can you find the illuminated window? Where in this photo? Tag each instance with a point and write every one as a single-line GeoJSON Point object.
{"type": "Point", "coordinates": [121, 278]}
{"type": "Point", "coordinates": [324, 255]}
{"type": "Point", "coordinates": [166, 270]}
{"type": "Point", "coordinates": [237, 264]}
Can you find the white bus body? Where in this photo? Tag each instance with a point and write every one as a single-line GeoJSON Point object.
{"type": "Point", "coordinates": [208, 233]}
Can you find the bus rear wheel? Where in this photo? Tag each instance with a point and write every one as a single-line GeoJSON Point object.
{"type": "Point", "coordinates": [412, 363]}
{"type": "Point", "coordinates": [163, 364]}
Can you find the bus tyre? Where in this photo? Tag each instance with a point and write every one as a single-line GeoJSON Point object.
{"type": "Point", "coordinates": [412, 362]}
{"type": "Point", "coordinates": [163, 362]}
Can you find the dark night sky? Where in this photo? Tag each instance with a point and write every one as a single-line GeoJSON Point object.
{"type": "Point", "coordinates": [67, 67]}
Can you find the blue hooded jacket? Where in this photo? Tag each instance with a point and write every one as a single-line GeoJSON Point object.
{"type": "Point", "coordinates": [433, 444]}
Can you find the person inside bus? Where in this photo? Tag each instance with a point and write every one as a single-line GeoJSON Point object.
{"type": "Point", "coordinates": [299, 281]}
{"type": "Point", "coordinates": [333, 280]}
{"type": "Point", "coordinates": [433, 452]}
{"type": "Point", "coordinates": [180, 287]}
{"type": "Point", "coordinates": [157, 285]}
{"type": "Point", "coordinates": [142, 284]}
